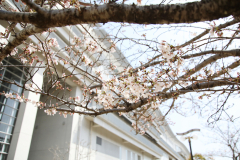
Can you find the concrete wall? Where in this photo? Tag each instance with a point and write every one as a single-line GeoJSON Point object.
{"type": "Point", "coordinates": [50, 132]}
{"type": "Point", "coordinates": [89, 149]}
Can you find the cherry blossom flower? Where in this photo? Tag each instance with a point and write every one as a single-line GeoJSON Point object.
{"type": "Point", "coordinates": [51, 111]}
{"type": "Point", "coordinates": [9, 95]}
{"type": "Point", "coordinates": [24, 60]}
{"type": "Point", "coordinates": [65, 114]}
{"type": "Point", "coordinates": [19, 98]}
{"type": "Point", "coordinates": [48, 111]}
{"type": "Point", "coordinates": [84, 103]}
{"type": "Point", "coordinates": [28, 86]}
{"type": "Point", "coordinates": [53, 41]}
{"type": "Point", "coordinates": [211, 32]}
{"type": "Point", "coordinates": [14, 52]}
{"type": "Point", "coordinates": [77, 99]}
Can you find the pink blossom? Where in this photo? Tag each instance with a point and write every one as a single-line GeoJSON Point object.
{"type": "Point", "coordinates": [14, 52]}
{"type": "Point", "coordinates": [19, 98]}
{"type": "Point", "coordinates": [24, 60]}
{"type": "Point", "coordinates": [9, 95]}
{"type": "Point", "coordinates": [27, 86]}
{"type": "Point", "coordinates": [65, 114]}
{"type": "Point", "coordinates": [211, 32]}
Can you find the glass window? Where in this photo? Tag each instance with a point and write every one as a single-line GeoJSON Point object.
{"type": "Point", "coordinates": [9, 107]}
{"type": "Point", "coordinates": [99, 141]}
{"type": "Point", "coordinates": [4, 138]}
{"type": "Point", "coordinates": [5, 128]}
{"type": "Point", "coordinates": [3, 156]}
{"type": "Point", "coordinates": [12, 103]}
{"type": "Point", "coordinates": [1, 146]}
{"type": "Point", "coordinates": [10, 111]}
{"type": "Point", "coordinates": [6, 148]}
{"type": "Point", "coordinates": [7, 119]}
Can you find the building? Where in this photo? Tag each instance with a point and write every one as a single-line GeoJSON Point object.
{"type": "Point", "coordinates": [27, 133]}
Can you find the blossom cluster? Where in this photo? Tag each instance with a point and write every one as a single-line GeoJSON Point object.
{"type": "Point", "coordinates": [131, 87]}
{"type": "Point", "coordinates": [168, 53]}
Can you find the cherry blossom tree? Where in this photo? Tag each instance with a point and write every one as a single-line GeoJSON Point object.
{"type": "Point", "coordinates": [161, 73]}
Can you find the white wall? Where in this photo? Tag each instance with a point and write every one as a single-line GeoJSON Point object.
{"type": "Point", "coordinates": [49, 132]}
{"type": "Point", "coordinates": [110, 137]}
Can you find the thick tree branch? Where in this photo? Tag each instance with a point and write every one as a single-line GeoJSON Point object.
{"type": "Point", "coordinates": [234, 52]}
{"type": "Point", "coordinates": [19, 38]}
{"type": "Point", "coordinates": [206, 10]}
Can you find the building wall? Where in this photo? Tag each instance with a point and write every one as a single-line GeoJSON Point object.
{"type": "Point", "coordinates": [127, 151]}
{"type": "Point", "coordinates": [50, 133]}
{"type": "Point", "coordinates": [113, 147]}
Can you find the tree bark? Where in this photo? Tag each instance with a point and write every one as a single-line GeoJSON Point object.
{"type": "Point", "coordinates": [19, 38]}
{"type": "Point", "coordinates": [206, 10]}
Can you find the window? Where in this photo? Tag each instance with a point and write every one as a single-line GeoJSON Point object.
{"type": "Point", "coordinates": [132, 156]}
{"type": "Point", "coordinates": [107, 147]}
{"type": "Point", "coordinates": [9, 107]}
{"type": "Point", "coordinates": [99, 141]}
{"type": "Point", "coordinates": [139, 157]}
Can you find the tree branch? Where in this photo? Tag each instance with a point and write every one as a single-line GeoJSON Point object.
{"type": "Point", "coordinates": [206, 10]}
{"type": "Point", "coordinates": [37, 8]}
{"type": "Point", "coordinates": [19, 38]}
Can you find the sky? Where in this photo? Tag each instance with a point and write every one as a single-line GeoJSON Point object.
{"type": "Point", "coordinates": [205, 143]}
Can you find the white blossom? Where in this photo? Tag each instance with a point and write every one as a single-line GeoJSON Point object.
{"type": "Point", "coordinates": [9, 95]}
{"type": "Point", "coordinates": [24, 60]}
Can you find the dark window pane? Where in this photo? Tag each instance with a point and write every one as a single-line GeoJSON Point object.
{"type": "Point", "coordinates": [1, 72]}
{"type": "Point", "coordinates": [4, 89]}
{"type": "Point", "coordinates": [6, 148]}
{"type": "Point", "coordinates": [99, 141]}
{"type": "Point", "coordinates": [7, 140]}
{"type": "Point", "coordinates": [1, 146]}
{"type": "Point", "coordinates": [4, 157]}
{"type": "Point", "coordinates": [16, 70]}
{"type": "Point", "coordinates": [10, 76]}
{"type": "Point", "coordinates": [2, 137]}
{"type": "Point", "coordinates": [14, 62]}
